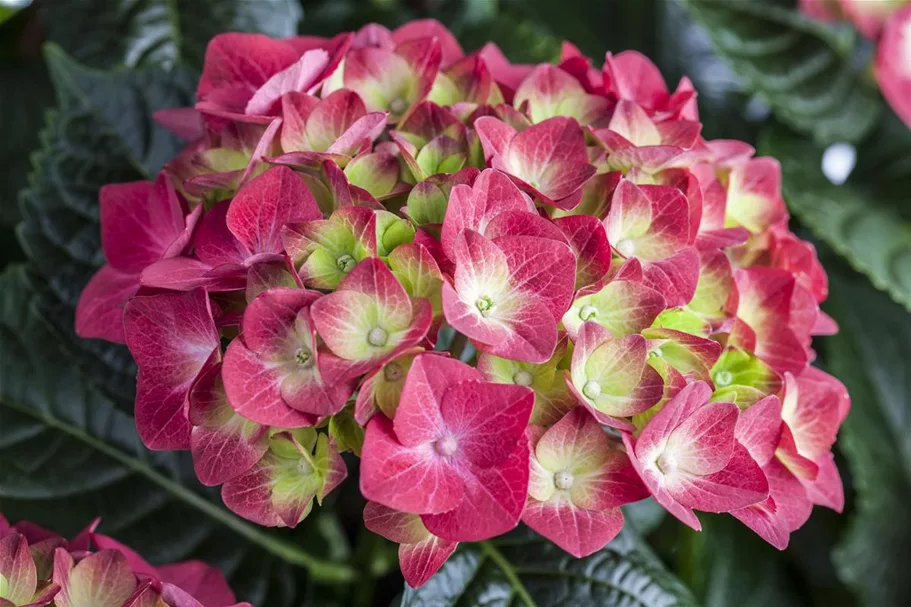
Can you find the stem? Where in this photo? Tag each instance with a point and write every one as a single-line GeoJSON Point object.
{"type": "Point", "coordinates": [319, 569]}
{"type": "Point", "coordinates": [457, 347]}
{"type": "Point", "coordinates": [512, 577]}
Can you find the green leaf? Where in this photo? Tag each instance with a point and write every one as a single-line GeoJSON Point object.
{"type": "Point", "coordinates": [727, 564]}
{"type": "Point", "coordinates": [524, 569]}
{"type": "Point", "coordinates": [685, 49]}
{"type": "Point", "coordinates": [25, 94]}
{"type": "Point", "coordinates": [68, 454]}
{"type": "Point", "coordinates": [108, 33]}
{"type": "Point", "coordinates": [867, 230]}
{"type": "Point", "coordinates": [802, 68]}
{"type": "Point", "coordinates": [870, 356]}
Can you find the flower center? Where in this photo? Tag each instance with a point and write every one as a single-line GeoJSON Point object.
{"type": "Point", "coordinates": [345, 263]}
{"type": "Point", "coordinates": [446, 446]}
{"type": "Point", "coordinates": [666, 463]}
{"type": "Point", "coordinates": [655, 353]}
{"type": "Point", "coordinates": [563, 479]}
{"type": "Point", "coordinates": [303, 356]}
{"type": "Point", "coordinates": [393, 372]}
{"type": "Point", "coordinates": [397, 106]}
{"type": "Point", "coordinates": [626, 247]}
{"type": "Point", "coordinates": [588, 312]}
{"type": "Point", "coordinates": [484, 305]}
{"type": "Point", "coordinates": [724, 378]}
{"type": "Point", "coordinates": [377, 337]}
{"type": "Point", "coordinates": [591, 389]}
{"type": "Point", "coordinates": [522, 378]}
{"type": "Point", "coordinates": [304, 467]}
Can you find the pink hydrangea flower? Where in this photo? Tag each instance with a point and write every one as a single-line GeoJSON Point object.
{"type": "Point", "coordinates": [626, 312]}
{"type": "Point", "coordinates": [39, 568]}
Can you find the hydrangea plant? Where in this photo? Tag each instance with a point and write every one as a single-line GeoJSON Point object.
{"type": "Point", "coordinates": [39, 568]}
{"type": "Point", "coordinates": [517, 292]}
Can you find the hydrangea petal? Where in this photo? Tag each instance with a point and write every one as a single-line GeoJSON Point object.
{"type": "Point", "coordinates": [486, 420]}
{"type": "Point", "coordinates": [412, 479]}
{"type": "Point", "coordinates": [171, 337]}
{"type": "Point", "coordinates": [223, 444]}
{"type": "Point", "coordinates": [99, 313]}
{"type": "Point", "coordinates": [264, 205]}
{"type": "Point", "coordinates": [493, 501]}
{"type": "Point", "coordinates": [578, 531]}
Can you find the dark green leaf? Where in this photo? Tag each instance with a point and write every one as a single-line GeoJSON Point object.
{"type": "Point", "coordinates": [525, 570]}
{"type": "Point", "coordinates": [884, 163]}
{"type": "Point", "coordinates": [870, 356]}
{"type": "Point", "coordinates": [67, 455]}
{"type": "Point", "coordinates": [594, 27]}
{"type": "Point", "coordinates": [802, 68]}
{"type": "Point", "coordinates": [107, 33]}
{"type": "Point", "coordinates": [685, 49]}
{"type": "Point", "coordinates": [727, 564]}
{"type": "Point", "coordinates": [865, 229]}
{"type": "Point", "coordinates": [25, 95]}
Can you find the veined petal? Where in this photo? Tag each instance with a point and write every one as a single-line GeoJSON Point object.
{"type": "Point", "coordinates": [493, 501]}
{"type": "Point", "coordinates": [223, 444]}
{"type": "Point", "coordinates": [171, 337]}
{"type": "Point", "coordinates": [412, 479]}
{"type": "Point", "coordinates": [263, 206]}
{"type": "Point", "coordinates": [578, 531]}
{"type": "Point", "coordinates": [486, 420]}
{"type": "Point", "coordinates": [99, 313]}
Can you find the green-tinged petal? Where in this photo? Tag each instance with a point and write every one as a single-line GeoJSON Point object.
{"type": "Point", "coordinates": [427, 203]}
{"type": "Point", "coordinates": [346, 432]}
{"type": "Point", "coordinates": [444, 91]}
{"type": "Point", "coordinates": [18, 569]}
{"type": "Point", "coordinates": [616, 367]}
{"type": "Point", "coordinates": [553, 397]}
{"type": "Point", "coordinates": [377, 173]}
{"type": "Point", "coordinates": [289, 444]}
{"type": "Point", "coordinates": [738, 368]}
{"type": "Point", "coordinates": [573, 447]}
{"type": "Point", "coordinates": [541, 485]}
{"type": "Point", "coordinates": [682, 319]}
{"type": "Point", "coordinates": [329, 466]}
{"type": "Point", "coordinates": [323, 270]}
{"type": "Point", "coordinates": [418, 273]}
{"type": "Point", "coordinates": [102, 579]}
{"type": "Point", "coordinates": [742, 396]}
{"type": "Point", "coordinates": [391, 231]}
{"type": "Point", "coordinates": [388, 383]}
{"type": "Point", "coordinates": [621, 307]}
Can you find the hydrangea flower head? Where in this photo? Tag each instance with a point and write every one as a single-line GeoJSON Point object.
{"type": "Point", "coordinates": [39, 568]}
{"type": "Point", "coordinates": [517, 292]}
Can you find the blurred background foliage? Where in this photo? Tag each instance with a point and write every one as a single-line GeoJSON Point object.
{"type": "Point", "coordinates": [764, 74]}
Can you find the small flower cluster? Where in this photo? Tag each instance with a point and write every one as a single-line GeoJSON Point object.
{"type": "Point", "coordinates": [888, 24]}
{"type": "Point", "coordinates": [39, 568]}
{"type": "Point", "coordinates": [642, 315]}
